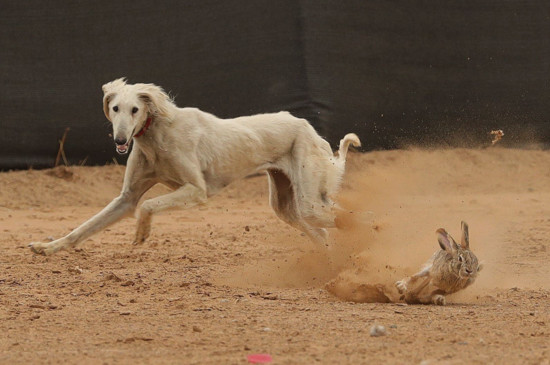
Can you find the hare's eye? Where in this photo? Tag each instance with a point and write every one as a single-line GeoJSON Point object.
{"type": "Point", "coordinates": [115, 108]}
{"type": "Point", "coordinates": [134, 110]}
{"type": "Point", "coordinates": [460, 258]}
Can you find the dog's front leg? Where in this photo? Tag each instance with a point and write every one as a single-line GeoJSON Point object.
{"type": "Point", "coordinates": [135, 185]}
{"type": "Point", "coordinates": [114, 211]}
{"type": "Point", "coordinates": [185, 197]}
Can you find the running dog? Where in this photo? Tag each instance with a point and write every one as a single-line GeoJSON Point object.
{"type": "Point", "coordinates": [197, 154]}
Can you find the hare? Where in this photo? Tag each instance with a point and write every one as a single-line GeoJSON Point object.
{"type": "Point", "coordinates": [449, 270]}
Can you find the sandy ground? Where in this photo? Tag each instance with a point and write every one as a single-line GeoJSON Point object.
{"type": "Point", "coordinates": [228, 279]}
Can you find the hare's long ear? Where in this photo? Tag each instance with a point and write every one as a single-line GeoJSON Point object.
{"type": "Point", "coordinates": [157, 101]}
{"type": "Point", "coordinates": [446, 242]}
{"type": "Point", "coordinates": [465, 239]}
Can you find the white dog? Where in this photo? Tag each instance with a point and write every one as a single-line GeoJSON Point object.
{"type": "Point", "coordinates": [197, 154]}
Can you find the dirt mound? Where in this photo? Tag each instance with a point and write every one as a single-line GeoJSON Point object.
{"type": "Point", "coordinates": [61, 186]}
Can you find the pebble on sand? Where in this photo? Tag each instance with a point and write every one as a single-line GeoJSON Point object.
{"type": "Point", "coordinates": [377, 330]}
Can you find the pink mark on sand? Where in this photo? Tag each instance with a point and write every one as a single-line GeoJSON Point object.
{"type": "Point", "coordinates": [259, 358]}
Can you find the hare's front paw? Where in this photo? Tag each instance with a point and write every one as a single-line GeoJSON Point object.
{"type": "Point", "coordinates": [438, 299]}
{"type": "Point", "coordinates": [401, 286]}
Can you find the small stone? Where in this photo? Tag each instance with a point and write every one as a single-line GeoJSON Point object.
{"type": "Point", "coordinates": [38, 306]}
{"type": "Point", "coordinates": [196, 329]}
{"type": "Point", "coordinates": [112, 276]}
{"type": "Point", "coordinates": [377, 330]}
{"type": "Point", "coordinates": [270, 296]}
{"type": "Point", "coordinates": [75, 270]}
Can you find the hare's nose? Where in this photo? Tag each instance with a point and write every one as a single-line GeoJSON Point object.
{"type": "Point", "coordinates": [468, 271]}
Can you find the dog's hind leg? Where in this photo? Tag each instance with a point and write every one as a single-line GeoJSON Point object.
{"type": "Point", "coordinates": [283, 202]}
{"type": "Point", "coordinates": [317, 211]}
{"type": "Point", "coordinates": [314, 203]}
{"type": "Point", "coordinates": [319, 218]}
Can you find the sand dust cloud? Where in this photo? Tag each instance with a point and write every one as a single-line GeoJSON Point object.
{"type": "Point", "coordinates": [395, 200]}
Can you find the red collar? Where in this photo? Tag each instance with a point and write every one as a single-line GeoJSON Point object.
{"type": "Point", "coordinates": [145, 127]}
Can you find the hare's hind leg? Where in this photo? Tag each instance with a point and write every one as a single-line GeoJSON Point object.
{"type": "Point", "coordinates": [413, 296]}
{"type": "Point", "coordinates": [436, 297]}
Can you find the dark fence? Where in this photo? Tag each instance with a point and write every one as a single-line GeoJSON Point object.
{"type": "Point", "coordinates": [395, 72]}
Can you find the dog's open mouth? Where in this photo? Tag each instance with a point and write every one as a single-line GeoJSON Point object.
{"type": "Point", "coordinates": [122, 149]}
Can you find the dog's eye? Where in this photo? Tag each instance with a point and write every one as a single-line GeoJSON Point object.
{"type": "Point", "coordinates": [115, 108]}
{"type": "Point", "coordinates": [134, 110]}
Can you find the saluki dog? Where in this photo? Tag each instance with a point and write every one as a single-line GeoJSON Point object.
{"type": "Point", "coordinates": [197, 154]}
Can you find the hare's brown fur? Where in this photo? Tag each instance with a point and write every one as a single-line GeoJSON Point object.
{"type": "Point", "coordinates": [449, 270]}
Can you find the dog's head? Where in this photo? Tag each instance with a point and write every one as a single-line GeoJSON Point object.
{"type": "Point", "coordinates": [129, 106]}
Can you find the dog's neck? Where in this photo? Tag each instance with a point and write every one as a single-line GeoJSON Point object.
{"type": "Point", "coordinates": [144, 128]}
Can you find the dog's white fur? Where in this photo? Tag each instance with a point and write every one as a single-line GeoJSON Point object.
{"type": "Point", "coordinates": [197, 154]}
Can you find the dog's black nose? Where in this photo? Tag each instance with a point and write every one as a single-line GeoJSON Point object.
{"type": "Point", "coordinates": [120, 141]}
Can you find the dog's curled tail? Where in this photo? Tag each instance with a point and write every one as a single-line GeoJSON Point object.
{"type": "Point", "coordinates": [350, 138]}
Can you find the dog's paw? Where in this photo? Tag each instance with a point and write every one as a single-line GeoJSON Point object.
{"type": "Point", "coordinates": [140, 239]}
{"type": "Point", "coordinates": [401, 286]}
{"type": "Point", "coordinates": [42, 248]}
{"type": "Point", "coordinates": [438, 299]}
{"type": "Point", "coordinates": [142, 232]}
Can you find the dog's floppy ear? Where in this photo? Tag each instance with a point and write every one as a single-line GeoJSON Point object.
{"type": "Point", "coordinates": [113, 85]}
{"type": "Point", "coordinates": [106, 99]}
{"type": "Point", "coordinates": [109, 91]}
{"type": "Point", "coordinates": [156, 100]}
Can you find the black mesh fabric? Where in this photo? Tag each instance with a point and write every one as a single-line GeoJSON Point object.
{"type": "Point", "coordinates": [394, 72]}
